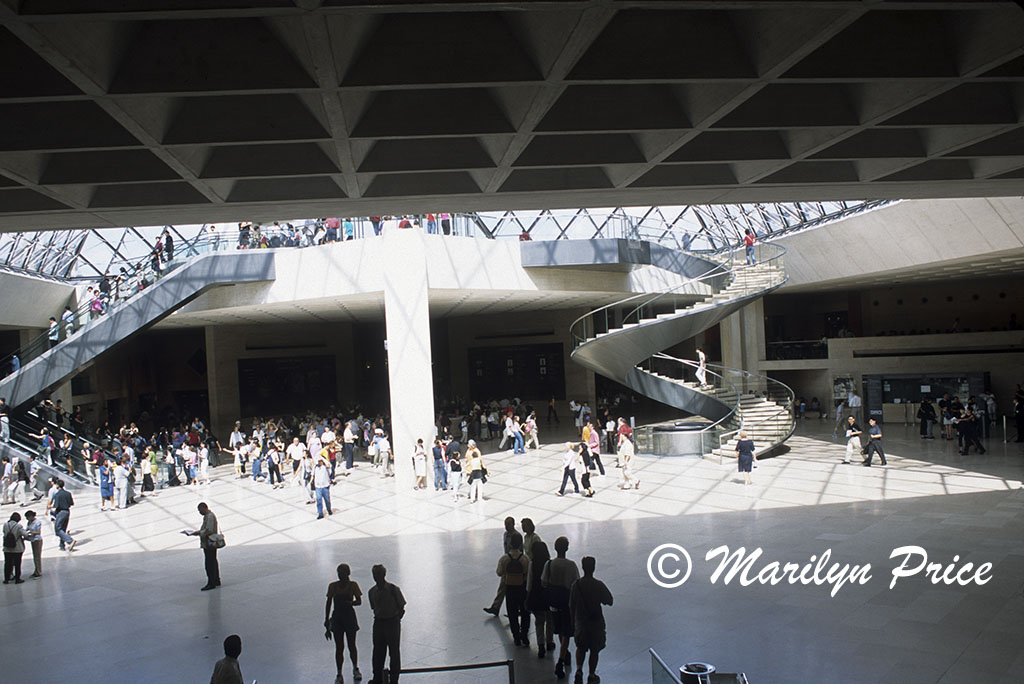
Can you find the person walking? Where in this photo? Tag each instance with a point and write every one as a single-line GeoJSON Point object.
{"type": "Point", "coordinates": [840, 419]}
{"type": "Point", "coordinates": [388, 606]}
{"type": "Point", "coordinates": [745, 456]}
{"type": "Point", "coordinates": [506, 544]}
{"type": "Point", "coordinates": [586, 597]}
{"type": "Point", "coordinates": [14, 536]}
{"type": "Point", "coordinates": [557, 578]}
{"type": "Point", "coordinates": [513, 568]}
{"type": "Point", "coordinates": [343, 596]}
{"type": "Point", "coordinates": [626, 454]}
{"type": "Point", "coordinates": [702, 369]}
{"type": "Point", "coordinates": [209, 536]}
{"type": "Point", "coordinates": [227, 670]}
{"type": "Point", "coordinates": [61, 503]}
{"type": "Point", "coordinates": [594, 448]}
{"type": "Point", "coordinates": [530, 429]}
{"type": "Point", "coordinates": [34, 528]}
{"type": "Point", "coordinates": [322, 487]}
{"type": "Point", "coordinates": [569, 460]}
{"type": "Point", "coordinates": [853, 433]}
{"type": "Point", "coordinates": [874, 443]}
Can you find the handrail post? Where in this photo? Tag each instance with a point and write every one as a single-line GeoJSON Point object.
{"type": "Point", "coordinates": [511, 671]}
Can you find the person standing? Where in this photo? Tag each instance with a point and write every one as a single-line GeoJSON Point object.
{"type": "Point", "coordinates": [855, 404]}
{"type": "Point", "coordinates": [106, 485]}
{"type": "Point", "coordinates": [53, 334]}
{"type": "Point", "coordinates": [227, 670]}
{"type": "Point", "coordinates": [569, 459]}
{"type": "Point", "coordinates": [343, 596]}
{"type": "Point", "coordinates": [840, 420]}
{"type": "Point", "coordinates": [874, 443]}
{"type": "Point", "coordinates": [68, 320]}
{"type": "Point", "coordinates": [702, 369]}
{"type": "Point", "coordinates": [5, 421]}
{"type": "Point", "coordinates": [446, 222]}
{"type": "Point", "coordinates": [536, 597]}
{"type": "Point", "coordinates": [208, 543]}
{"type": "Point", "coordinates": [552, 413]}
{"type": "Point", "coordinates": [454, 474]}
{"type": "Point", "coordinates": [34, 528]}
{"type": "Point", "coordinates": [348, 437]}
{"type": "Point", "coordinates": [419, 464]}
{"type": "Point", "coordinates": [853, 433]}
{"type": "Point", "coordinates": [745, 456]}
{"type": "Point", "coordinates": [61, 502]}
{"type": "Point", "coordinates": [557, 578]}
{"type": "Point", "coordinates": [926, 414]}
{"type": "Point", "coordinates": [388, 606]}
{"type": "Point", "coordinates": [513, 568]}
{"type": "Point", "coordinates": [322, 487]}
{"type": "Point", "coordinates": [121, 483]}
{"type": "Point", "coordinates": [517, 436]}
{"type": "Point", "coordinates": [476, 474]}
{"type": "Point", "coordinates": [586, 597]}
{"type": "Point", "coordinates": [440, 471]}
{"type": "Point", "coordinates": [14, 536]}
{"type": "Point", "coordinates": [748, 243]}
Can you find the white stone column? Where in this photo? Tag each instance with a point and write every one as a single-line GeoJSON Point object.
{"type": "Point", "coordinates": [407, 330]}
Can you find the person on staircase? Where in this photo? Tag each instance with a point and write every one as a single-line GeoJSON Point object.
{"type": "Point", "coordinates": [702, 368]}
{"type": "Point", "coordinates": [748, 242]}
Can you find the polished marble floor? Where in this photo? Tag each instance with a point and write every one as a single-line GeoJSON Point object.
{"type": "Point", "coordinates": [126, 606]}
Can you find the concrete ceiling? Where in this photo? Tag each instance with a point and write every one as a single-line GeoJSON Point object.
{"type": "Point", "coordinates": [370, 307]}
{"type": "Point", "coordinates": [146, 112]}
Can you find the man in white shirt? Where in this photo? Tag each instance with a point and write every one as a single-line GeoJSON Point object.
{"type": "Point", "coordinates": [853, 402]}
{"type": "Point", "coordinates": [349, 440]}
{"type": "Point", "coordinates": [322, 485]}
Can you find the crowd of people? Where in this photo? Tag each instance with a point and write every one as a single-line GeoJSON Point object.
{"type": "Point", "coordinates": [551, 591]}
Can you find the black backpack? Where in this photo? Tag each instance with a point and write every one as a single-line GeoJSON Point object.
{"type": "Point", "coordinates": [9, 541]}
{"type": "Point", "coordinates": [515, 575]}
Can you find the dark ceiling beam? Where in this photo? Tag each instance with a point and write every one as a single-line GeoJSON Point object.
{"type": "Point", "coordinates": [70, 67]}
{"type": "Point", "coordinates": [592, 21]}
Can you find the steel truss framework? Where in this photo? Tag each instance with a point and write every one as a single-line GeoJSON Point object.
{"type": "Point", "coordinates": [89, 253]}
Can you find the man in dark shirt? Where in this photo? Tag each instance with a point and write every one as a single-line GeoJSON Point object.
{"type": "Point", "coordinates": [874, 443]}
{"type": "Point", "coordinates": [388, 606]}
{"type": "Point", "coordinates": [585, 600]}
{"type": "Point", "coordinates": [62, 503]}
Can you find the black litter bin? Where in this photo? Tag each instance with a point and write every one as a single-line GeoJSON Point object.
{"type": "Point", "coordinates": [696, 673]}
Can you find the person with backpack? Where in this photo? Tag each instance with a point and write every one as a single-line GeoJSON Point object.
{"type": "Point", "coordinates": [14, 536]}
{"type": "Point", "coordinates": [513, 569]}
{"type": "Point", "coordinates": [557, 579]}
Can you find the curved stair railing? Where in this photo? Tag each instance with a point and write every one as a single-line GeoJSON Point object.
{"type": "Point", "coordinates": [625, 341]}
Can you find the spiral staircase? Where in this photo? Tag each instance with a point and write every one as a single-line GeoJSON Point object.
{"type": "Point", "coordinates": [624, 341]}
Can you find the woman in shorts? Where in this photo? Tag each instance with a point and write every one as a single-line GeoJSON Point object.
{"type": "Point", "coordinates": [343, 595]}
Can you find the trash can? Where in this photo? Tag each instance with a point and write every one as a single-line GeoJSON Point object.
{"type": "Point", "coordinates": [696, 673]}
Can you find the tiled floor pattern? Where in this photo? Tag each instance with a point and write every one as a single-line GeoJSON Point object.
{"type": "Point", "coordinates": [126, 606]}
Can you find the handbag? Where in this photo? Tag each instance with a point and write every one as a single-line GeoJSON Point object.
{"type": "Point", "coordinates": [217, 539]}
